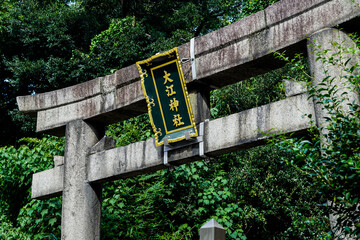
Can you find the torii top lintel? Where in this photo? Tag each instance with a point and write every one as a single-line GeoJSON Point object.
{"type": "Point", "coordinates": [242, 47]}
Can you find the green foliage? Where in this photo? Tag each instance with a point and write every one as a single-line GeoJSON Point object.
{"type": "Point", "coordinates": [46, 45]}
{"type": "Point", "coordinates": [5, 7]}
{"type": "Point", "coordinates": [255, 91]}
{"type": "Point", "coordinates": [41, 219]}
{"type": "Point", "coordinates": [123, 43]}
{"type": "Point", "coordinates": [332, 159]}
{"type": "Point", "coordinates": [281, 199]}
{"type": "Point", "coordinates": [36, 220]}
{"type": "Point", "coordinates": [37, 40]}
{"type": "Point", "coordinates": [22, 217]}
{"type": "Point", "coordinates": [131, 130]}
{"type": "Point", "coordinates": [7, 231]}
{"type": "Point", "coordinates": [251, 193]}
{"type": "Point", "coordinates": [247, 94]}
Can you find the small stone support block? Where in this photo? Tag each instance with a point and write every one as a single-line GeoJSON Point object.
{"type": "Point", "coordinates": [294, 88]}
{"type": "Point", "coordinates": [47, 184]}
{"type": "Point", "coordinates": [58, 161]}
{"type": "Point", "coordinates": [200, 104]}
{"type": "Point", "coordinates": [212, 230]}
{"type": "Point", "coordinates": [105, 143]}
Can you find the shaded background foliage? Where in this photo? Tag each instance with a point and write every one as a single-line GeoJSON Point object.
{"type": "Point", "coordinates": [332, 159]}
{"type": "Point", "coordinates": [51, 44]}
{"type": "Point", "coordinates": [46, 45]}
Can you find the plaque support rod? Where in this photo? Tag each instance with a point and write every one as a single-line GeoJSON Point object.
{"type": "Point", "coordinates": [189, 141]}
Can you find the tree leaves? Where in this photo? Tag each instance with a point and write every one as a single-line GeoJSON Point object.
{"type": "Point", "coordinates": [16, 168]}
{"type": "Point", "coordinates": [333, 159]}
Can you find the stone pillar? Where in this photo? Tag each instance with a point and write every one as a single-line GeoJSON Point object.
{"type": "Point", "coordinates": [81, 207]}
{"type": "Point", "coordinates": [200, 103]}
{"type": "Point", "coordinates": [324, 40]}
{"type": "Point", "coordinates": [320, 70]}
{"type": "Point", "coordinates": [212, 230]}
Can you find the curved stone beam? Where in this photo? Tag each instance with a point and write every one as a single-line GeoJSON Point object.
{"type": "Point", "coordinates": [233, 53]}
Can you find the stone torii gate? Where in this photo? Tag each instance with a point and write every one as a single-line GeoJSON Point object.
{"type": "Point", "coordinates": [231, 54]}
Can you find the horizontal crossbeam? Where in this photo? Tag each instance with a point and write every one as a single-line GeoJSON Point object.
{"type": "Point", "coordinates": [237, 131]}
{"type": "Point", "coordinates": [47, 184]}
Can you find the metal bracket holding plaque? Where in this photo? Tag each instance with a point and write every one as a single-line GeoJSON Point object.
{"type": "Point", "coordinates": [192, 57]}
{"type": "Point", "coordinates": [189, 141]}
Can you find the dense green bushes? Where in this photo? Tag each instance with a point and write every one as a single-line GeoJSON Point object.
{"type": "Point", "coordinates": [332, 159]}
{"type": "Point", "coordinates": [21, 217]}
{"type": "Point", "coordinates": [256, 194]}
{"type": "Point", "coordinates": [251, 193]}
{"type": "Point", "coordinates": [46, 45]}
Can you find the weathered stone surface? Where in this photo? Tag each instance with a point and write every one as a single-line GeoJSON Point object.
{"type": "Point", "coordinates": [81, 202]}
{"type": "Point", "coordinates": [59, 97]}
{"type": "Point", "coordinates": [230, 34]}
{"type": "Point", "coordinates": [130, 94]}
{"type": "Point", "coordinates": [128, 160]}
{"type": "Point", "coordinates": [235, 132]}
{"type": "Point", "coordinates": [293, 88]}
{"type": "Point", "coordinates": [287, 23]}
{"type": "Point", "coordinates": [221, 60]}
{"type": "Point", "coordinates": [127, 75]}
{"type": "Point", "coordinates": [223, 57]}
{"type": "Point", "coordinates": [318, 42]}
{"type": "Point", "coordinates": [323, 40]}
{"type": "Point", "coordinates": [58, 161]}
{"type": "Point", "coordinates": [238, 130]}
{"type": "Point", "coordinates": [103, 85]}
{"type": "Point", "coordinates": [200, 104]}
{"type": "Point", "coordinates": [184, 54]}
{"type": "Point", "coordinates": [47, 184]}
{"type": "Point", "coordinates": [88, 162]}
{"type": "Point", "coordinates": [104, 144]}
{"type": "Point", "coordinates": [60, 116]}
{"type": "Point", "coordinates": [285, 9]}
{"type": "Point", "coordinates": [301, 26]}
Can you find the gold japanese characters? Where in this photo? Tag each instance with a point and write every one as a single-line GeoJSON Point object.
{"type": "Point", "coordinates": [166, 94]}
